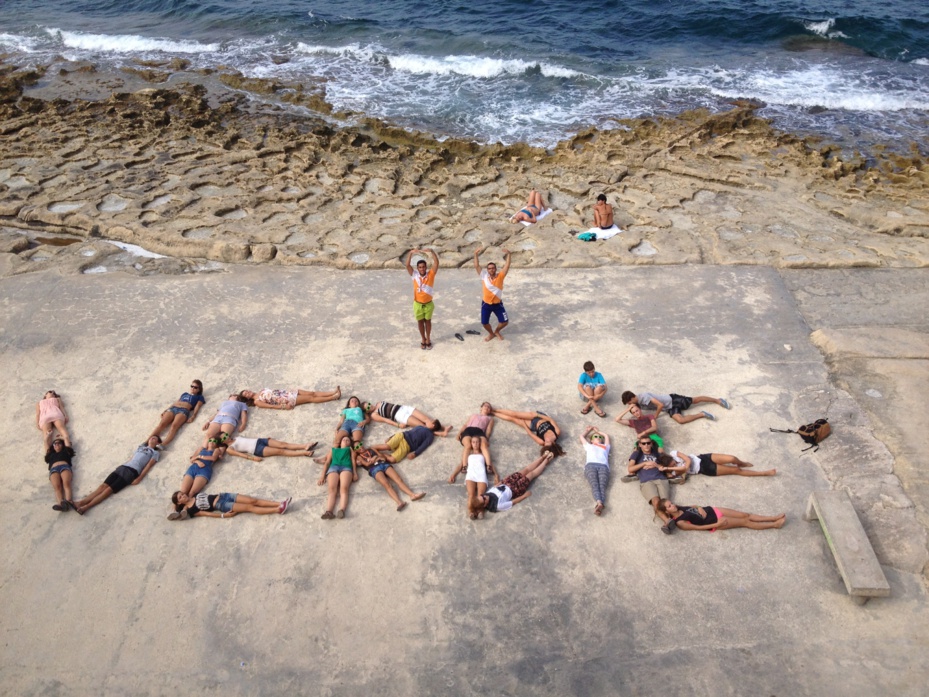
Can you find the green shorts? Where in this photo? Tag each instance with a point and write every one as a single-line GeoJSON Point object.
{"type": "Point", "coordinates": [422, 311]}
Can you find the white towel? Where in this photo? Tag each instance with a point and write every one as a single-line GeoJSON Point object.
{"type": "Point", "coordinates": [539, 217]}
{"type": "Point", "coordinates": [605, 234]}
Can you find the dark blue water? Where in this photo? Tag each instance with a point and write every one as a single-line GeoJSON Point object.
{"type": "Point", "coordinates": [853, 72]}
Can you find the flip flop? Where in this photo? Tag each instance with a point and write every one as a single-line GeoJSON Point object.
{"type": "Point", "coordinates": [312, 446]}
{"type": "Point", "coordinates": [600, 413]}
{"type": "Point", "coordinates": [586, 409]}
{"type": "Point", "coordinates": [459, 337]}
{"type": "Point", "coordinates": [474, 332]}
{"type": "Point", "coordinates": [60, 507]}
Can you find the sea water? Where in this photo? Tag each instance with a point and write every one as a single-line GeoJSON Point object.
{"type": "Point", "coordinates": [853, 72]}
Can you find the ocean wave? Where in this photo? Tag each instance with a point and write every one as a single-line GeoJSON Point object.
{"type": "Point", "coordinates": [822, 87]}
{"type": "Point", "coordinates": [921, 61]}
{"type": "Point", "coordinates": [467, 66]}
{"type": "Point", "coordinates": [16, 42]}
{"type": "Point", "coordinates": [126, 43]}
{"type": "Point", "coordinates": [824, 29]}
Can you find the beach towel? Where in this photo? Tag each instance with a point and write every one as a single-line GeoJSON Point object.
{"type": "Point", "coordinates": [596, 233]}
{"type": "Point", "coordinates": [538, 217]}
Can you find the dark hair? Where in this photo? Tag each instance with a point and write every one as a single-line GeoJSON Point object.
{"type": "Point", "coordinates": [628, 397]}
{"type": "Point", "coordinates": [601, 197]}
{"type": "Point", "coordinates": [177, 506]}
{"type": "Point", "coordinates": [665, 460]}
{"type": "Point", "coordinates": [437, 426]}
{"type": "Point", "coordinates": [348, 404]}
{"type": "Point", "coordinates": [53, 393]}
{"type": "Point", "coordinates": [555, 449]}
{"type": "Point", "coordinates": [663, 505]}
{"type": "Point", "coordinates": [249, 401]}
{"type": "Point", "coordinates": [589, 365]}
{"type": "Point", "coordinates": [198, 383]}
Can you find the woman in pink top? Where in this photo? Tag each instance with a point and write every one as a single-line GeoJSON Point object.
{"type": "Point", "coordinates": [477, 426]}
{"type": "Point", "coordinates": [50, 415]}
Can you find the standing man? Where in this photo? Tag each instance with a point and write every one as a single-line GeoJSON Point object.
{"type": "Point", "coordinates": [423, 282]}
{"type": "Point", "coordinates": [493, 293]}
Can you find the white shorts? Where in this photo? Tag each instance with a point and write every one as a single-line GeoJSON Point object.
{"type": "Point", "coordinates": [403, 415]}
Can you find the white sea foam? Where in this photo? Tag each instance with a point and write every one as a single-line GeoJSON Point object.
{"type": "Point", "coordinates": [921, 61]}
{"type": "Point", "coordinates": [126, 43]}
{"type": "Point", "coordinates": [824, 29]}
{"type": "Point", "coordinates": [26, 44]}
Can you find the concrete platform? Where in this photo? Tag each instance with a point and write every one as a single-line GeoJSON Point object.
{"type": "Point", "coordinates": [544, 600]}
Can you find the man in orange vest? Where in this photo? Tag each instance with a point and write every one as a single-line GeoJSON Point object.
{"type": "Point", "coordinates": [493, 294]}
{"type": "Point", "coordinates": [423, 289]}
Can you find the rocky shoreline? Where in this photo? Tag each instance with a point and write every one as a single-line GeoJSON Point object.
{"type": "Point", "coordinates": [197, 175]}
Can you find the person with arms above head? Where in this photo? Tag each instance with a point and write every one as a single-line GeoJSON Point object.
{"type": "Point", "coordinates": [131, 472]}
{"type": "Point", "coordinates": [597, 468]}
{"type": "Point", "coordinates": [603, 213]}
{"type": "Point", "coordinates": [592, 387]}
{"type": "Point", "coordinates": [675, 404]}
{"type": "Point", "coordinates": [513, 489]}
{"type": "Point", "coordinates": [492, 300]}
{"type": "Point", "coordinates": [423, 290]}
{"type": "Point", "coordinates": [643, 424]}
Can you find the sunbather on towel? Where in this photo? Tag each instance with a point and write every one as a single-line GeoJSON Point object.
{"type": "Point", "coordinates": [533, 209]}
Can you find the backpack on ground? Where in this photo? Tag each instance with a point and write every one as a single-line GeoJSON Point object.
{"type": "Point", "coordinates": [814, 433]}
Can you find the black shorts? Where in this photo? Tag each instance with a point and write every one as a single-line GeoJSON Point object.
{"type": "Point", "coordinates": [472, 431]}
{"type": "Point", "coordinates": [707, 466]}
{"type": "Point", "coordinates": [120, 478]}
{"type": "Point", "coordinates": [679, 403]}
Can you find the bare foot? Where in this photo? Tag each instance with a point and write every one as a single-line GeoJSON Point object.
{"type": "Point", "coordinates": [309, 453]}
{"type": "Point", "coordinates": [319, 460]}
{"type": "Point", "coordinates": [480, 516]}
{"type": "Point", "coordinates": [499, 336]}
{"type": "Point", "coordinates": [598, 509]}
{"type": "Point", "coordinates": [401, 506]}
{"type": "Point", "coordinates": [490, 337]}
{"type": "Point", "coordinates": [417, 497]}
{"type": "Point", "coordinates": [780, 523]}
{"type": "Point", "coordinates": [770, 473]}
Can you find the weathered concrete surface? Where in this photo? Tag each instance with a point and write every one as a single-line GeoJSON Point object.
{"type": "Point", "coordinates": [546, 599]}
{"type": "Point", "coordinates": [873, 328]}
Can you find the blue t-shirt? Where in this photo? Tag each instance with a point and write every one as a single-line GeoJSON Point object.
{"type": "Point", "coordinates": [646, 475]}
{"type": "Point", "coordinates": [597, 379]}
{"type": "Point", "coordinates": [192, 399]}
{"type": "Point", "coordinates": [233, 409]}
{"type": "Point", "coordinates": [355, 414]}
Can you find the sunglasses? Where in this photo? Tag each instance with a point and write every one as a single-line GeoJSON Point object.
{"type": "Point", "coordinates": [645, 442]}
{"type": "Point", "coordinates": [195, 387]}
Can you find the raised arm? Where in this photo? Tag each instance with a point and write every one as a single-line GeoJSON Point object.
{"type": "Point", "coordinates": [583, 437]}
{"type": "Point", "coordinates": [409, 261]}
{"type": "Point", "coordinates": [679, 469]}
{"type": "Point", "coordinates": [621, 418]}
{"type": "Point", "coordinates": [435, 258]}
{"type": "Point", "coordinates": [506, 264]}
{"type": "Point", "coordinates": [477, 263]}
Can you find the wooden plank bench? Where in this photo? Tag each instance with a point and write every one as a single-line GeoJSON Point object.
{"type": "Point", "coordinates": [860, 569]}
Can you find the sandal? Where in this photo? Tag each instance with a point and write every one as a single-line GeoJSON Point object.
{"type": "Point", "coordinates": [586, 409]}
{"type": "Point", "coordinates": [327, 515]}
{"type": "Point", "coordinates": [599, 412]}
{"type": "Point", "coordinates": [422, 345]}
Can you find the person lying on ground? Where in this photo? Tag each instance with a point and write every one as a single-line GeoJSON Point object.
{"type": "Point", "coordinates": [231, 416]}
{"type": "Point", "coordinates": [339, 474]}
{"type": "Point", "coordinates": [386, 475]}
{"type": "Point", "coordinates": [183, 411]}
{"type": "Point", "coordinates": [352, 422]}
{"type": "Point", "coordinates": [50, 415]}
{"type": "Point", "coordinates": [403, 416]}
{"type": "Point", "coordinates": [677, 464]}
{"type": "Point", "coordinates": [539, 425]}
{"type": "Point", "coordinates": [405, 444]}
{"type": "Point", "coordinates": [477, 462]}
{"type": "Point", "coordinates": [268, 398]}
{"type": "Point", "coordinates": [643, 424]}
{"type": "Point", "coordinates": [713, 519]}
{"type": "Point", "coordinates": [653, 484]}
{"type": "Point", "coordinates": [131, 472]}
{"type": "Point", "coordinates": [513, 489]}
{"type": "Point", "coordinates": [200, 471]}
{"type": "Point", "coordinates": [59, 459]}
{"type": "Point", "coordinates": [597, 468]}
{"type": "Point", "coordinates": [534, 207]}
{"type": "Point", "coordinates": [675, 404]}
{"type": "Point", "coordinates": [224, 505]}
{"type": "Point", "coordinates": [255, 449]}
